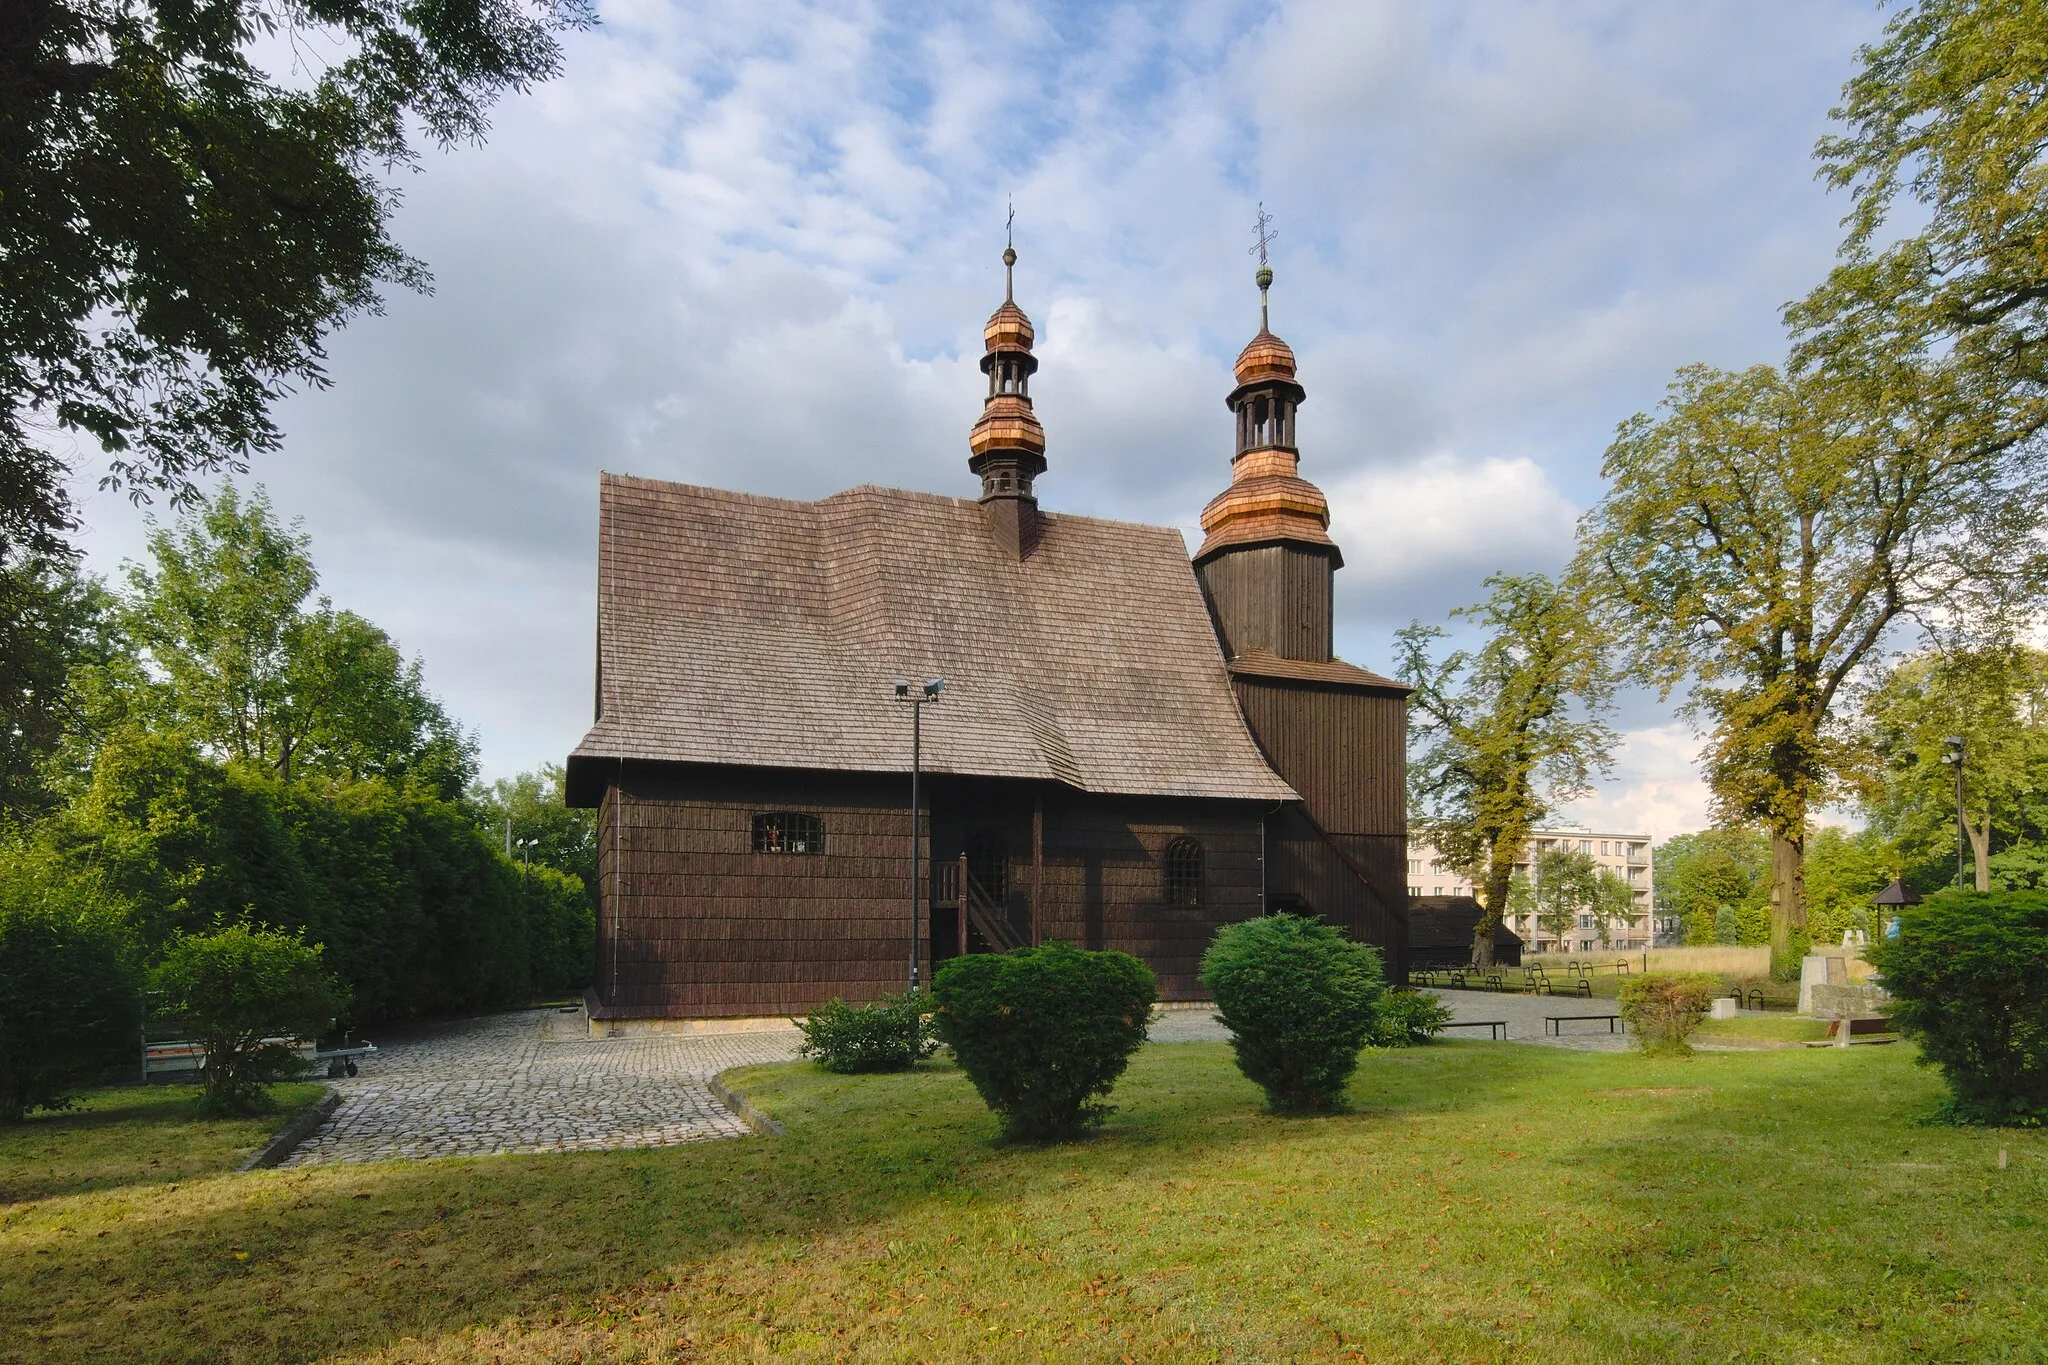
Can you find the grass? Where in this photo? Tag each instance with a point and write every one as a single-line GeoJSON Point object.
{"type": "Point", "coordinates": [1765, 1028]}
{"type": "Point", "coordinates": [1487, 1202]}
{"type": "Point", "coordinates": [135, 1135]}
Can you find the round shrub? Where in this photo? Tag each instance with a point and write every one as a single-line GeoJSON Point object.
{"type": "Point", "coordinates": [238, 990]}
{"type": "Point", "coordinates": [889, 1035]}
{"type": "Point", "coordinates": [1044, 1032]}
{"type": "Point", "coordinates": [1300, 999]}
{"type": "Point", "coordinates": [68, 1002]}
{"type": "Point", "coordinates": [1968, 975]}
{"type": "Point", "coordinates": [1407, 1019]}
{"type": "Point", "coordinates": [1663, 1008]}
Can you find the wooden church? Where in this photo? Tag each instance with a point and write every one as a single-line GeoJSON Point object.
{"type": "Point", "coordinates": [1130, 749]}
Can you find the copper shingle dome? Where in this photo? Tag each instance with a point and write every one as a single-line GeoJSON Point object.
{"type": "Point", "coordinates": [1265, 356]}
{"type": "Point", "coordinates": [1007, 328]}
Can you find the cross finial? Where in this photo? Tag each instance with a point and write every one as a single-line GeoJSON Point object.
{"type": "Point", "coordinates": [1009, 252]}
{"type": "Point", "coordinates": [1262, 230]}
{"type": "Point", "coordinates": [1264, 233]}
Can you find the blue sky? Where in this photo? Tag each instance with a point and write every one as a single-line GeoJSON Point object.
{"type": "Point", "coordinates": [752, 246]}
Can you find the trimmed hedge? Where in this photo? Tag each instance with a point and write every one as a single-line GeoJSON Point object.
{"type": "Point", "coordinates": [68, 981]}
{"type": "Point", "coordinates": [1044, 1032]}
{"type": "Point", "coordinates": [417, 910]}
{"type": "Point", "coordinates": [1300, 1000]}
{"type": "Point", "coordinates": [890, 1034]}
{"type": "Point", "coordinates": [1969, 977]}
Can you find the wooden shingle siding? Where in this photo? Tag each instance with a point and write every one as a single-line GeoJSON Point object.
{"type": "Point", "coordinates": [705, 927]}
{"type": "Point", "coordinates": [1342, 748]}
{"type": "Point", "coordinates": [1270, 597]}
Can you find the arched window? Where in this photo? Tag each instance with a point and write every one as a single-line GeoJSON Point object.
{"type": "Point", "coordinates": [788, 831]}
{"type": "Point", "coordinates": [1182, 883]}
{"type": "Point", "coordinates": [988, 864]}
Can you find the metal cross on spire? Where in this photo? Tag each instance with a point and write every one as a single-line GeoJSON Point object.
{"type": "Point", "coordinates": [1263, 231]}
{"type": "Point", "coordinates": [1009, 252]}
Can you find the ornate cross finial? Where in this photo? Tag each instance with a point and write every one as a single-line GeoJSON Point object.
{"type": "Point", "coordinates": [1264, 233]}
{"type": "Point", "coordinates": [1009, 251]}
{"type": "Point", "coordinates": [1262, 230]}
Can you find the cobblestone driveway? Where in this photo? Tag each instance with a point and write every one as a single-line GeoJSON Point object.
{"type": "Point", "coordinates": [508, 1083]}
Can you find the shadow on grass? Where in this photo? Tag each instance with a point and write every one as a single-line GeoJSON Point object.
{"type": "Point", "coordinates": [304, 1263]}
{"type": "Point", "coordinates": [132, 1135]}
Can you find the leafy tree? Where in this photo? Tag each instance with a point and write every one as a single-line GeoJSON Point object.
{"type": "Point", "coordinates": [181, 225]}
{"type": "Point", "coordinates": [238, 991]}
{"type": "Point", "coordinates": [1763, 536]}
{"type": "Point", "coordinates": [1947, 116]}
{"type": "Point", "coordinates": [53, 622]}
{"type": "Point", "coordinates": [1726, 932]}
{"type": "Point", "coordinates": [68, 984]}
{"type": "Point", "coordinates": [1700, 875]}
{"type": "Point", "coordinates": [1500, 734]}
{"type": "Point", "coordinates": [1996, 700]}
{"type": "Point", "coordinates": [531, 806]}
{"type": "Point", "coordinates": [1567, 884]}
{"type": "Point", "coordinates": [240, 662]}
{"type": "Point", "coordinates": [1843, 872]}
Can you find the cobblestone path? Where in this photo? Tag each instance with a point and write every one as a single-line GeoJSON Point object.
{"type": "Point", "coordinates": [512, 1083]}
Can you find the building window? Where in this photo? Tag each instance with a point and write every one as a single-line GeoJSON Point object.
{"type": "Point", "coordinates": [1603, 848]}
{"type": "Point", "coordinates": [1585, 845]}
{"type": "Point", "coordinates": [1438, 892]}
{"type": "Point", "coordinates": [1183, 872]}
{"type": "Point", "coordinates": [788, 831]}
{"type": "Point", "coordinates": [1415, 864]}
{"type": "Point", "coordinates": [1414, 890]}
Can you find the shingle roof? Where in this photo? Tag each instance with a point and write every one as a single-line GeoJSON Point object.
{"type": "Point", "coordinates": [764, 632]}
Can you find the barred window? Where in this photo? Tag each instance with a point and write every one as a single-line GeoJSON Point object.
{"type": "Point", "coordinates": [788, 831]}
{"type": "Point", "coordinates": [1183, 872]}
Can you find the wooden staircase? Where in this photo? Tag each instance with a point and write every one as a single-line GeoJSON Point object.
{"type": "Point", "coordinates": [953, 887]}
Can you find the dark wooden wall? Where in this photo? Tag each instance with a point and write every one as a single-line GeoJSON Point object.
{"type": "Point", "coordinates": [1272, 597]}
{"type": "Point", "coordinates": [1343, 747]}
{"type": "Point", "coordinates": [705, 927]}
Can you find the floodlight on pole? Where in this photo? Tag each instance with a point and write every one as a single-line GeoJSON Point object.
{"type": "Point", "coordinates": [917, 701]}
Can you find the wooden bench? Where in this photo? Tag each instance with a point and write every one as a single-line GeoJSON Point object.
{"type": "Point", "coordinates": [1498, 1026]}
{"type": "Point", "coordinates": [175, 1057]}
{"type": "Point", "coordinates": [1554, 1023]}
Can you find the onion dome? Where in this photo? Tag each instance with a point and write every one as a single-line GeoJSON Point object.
{"type": "Point", "coordinates": [1265, 356]}
{"type": "Point", "coordinates": [1008, 444]}
{"type": "Point", "coordinates": [1267, 502]}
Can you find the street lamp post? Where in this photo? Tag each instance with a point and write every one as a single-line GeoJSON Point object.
{"type": "Point", "coordinates": [917, 699]}
{"type": "Point", "coordinates": [1954, 754]}
{"type": "Point", "coordinates": [526, 846]}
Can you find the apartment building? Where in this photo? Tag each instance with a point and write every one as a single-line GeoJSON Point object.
{"type": "Point", "coordinates": [1625, 855]}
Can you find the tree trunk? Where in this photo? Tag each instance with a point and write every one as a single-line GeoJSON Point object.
{"type": "Point", "coordinates": [1494, 902]}
{"type": "Point", "coordinates": [1788, 893]}
{"type": "Point", "coordinates": [1980, 850]}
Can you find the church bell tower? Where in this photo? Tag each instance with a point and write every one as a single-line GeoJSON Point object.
{"type": "Point", "coordinates": [1267, 562]}
{"type": "Point", "coordinates": [1008, 444]}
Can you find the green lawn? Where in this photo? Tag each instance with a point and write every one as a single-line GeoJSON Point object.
{"type": "Point", "coordinates": [1488, 1202]}
{"type": "Point", "coordinates": [1769, 1028]}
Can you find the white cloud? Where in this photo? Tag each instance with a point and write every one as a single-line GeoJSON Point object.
{"type": "Point", "coordinates": [753, 246]}
{"type": "Point", "coordinates": [1420, 534]}
{"type": "Point", "coordinates": [1655, 788]}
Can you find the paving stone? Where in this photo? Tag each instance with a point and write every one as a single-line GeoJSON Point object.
{"type": "Point", "coordinates": [517, 1083]}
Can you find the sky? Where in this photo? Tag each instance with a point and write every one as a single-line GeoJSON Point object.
{"type": "Point", "coordinates": [752, 246]}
